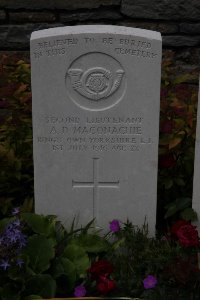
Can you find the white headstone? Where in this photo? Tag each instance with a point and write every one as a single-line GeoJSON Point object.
{"type": "Point", "coordinates": [96, 92]}
{"type": "Point", "coordinates": [196, 181]}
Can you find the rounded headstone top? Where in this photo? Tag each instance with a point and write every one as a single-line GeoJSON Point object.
{"type": "Point", "coordinates": [110, 29]}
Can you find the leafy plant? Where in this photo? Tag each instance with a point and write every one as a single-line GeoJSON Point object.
{"type": "Point", "coordinates": [39, 259]}
{"type": "Point", "coordinates": [16, 172]}
{"type": "Point", "coordinates": [50, 261]}
{"type": "Point", "coordinates": [177, 141]}
{"type": "Point", "coordinates": [162, 268]}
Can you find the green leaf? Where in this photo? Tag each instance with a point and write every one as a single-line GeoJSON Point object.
{"type": "Point", "coordinates": [183, 203]}
{"type": "Point", "coordinates": [68, 268]}
{"type": "Point", "coordinates": [179, 181]}
{"type": "Point", "coordinates": [183, 78]}
{"type": "Point", "coordinates": [27, 205]}
{"type": "Point", "coordinates": [10, 292]}
{"type": "Point", "coordinates": [171, 211]}
{"type": "Point", "coordinates": [88, 226]}
{"type": "Point", "coordinates": [168, 183]}
{"type": "Point", "coordinates": [179, 205]}
{"type": "Point", "coordinates": [189, 214]}
{"type": "Point", "coordinates": [93, 243]}
{"type": "Point", "coordinates": [174, 142]}
{"type": "Point", "coordinates": [119, 243]}
{"type": "Point", "coordinates": [74, 251]}
{"type": "Point", "coordinates": [17, 274]}
{"type": "Point", "coordinates": [39, 224]}
{"type": "Point", "coordinates": [78, 256]}
{"type": "Point", "coordinates": [82, 264]}
{"type": "Point", "coordinates": [64, 268]}
{"type": "Point", "coordinates": [40, 251]}
{"type": "Point", "coordinates": [43, 285]}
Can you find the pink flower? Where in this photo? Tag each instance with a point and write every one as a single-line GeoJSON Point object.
{"type": "Point", "coordinates": [114, 226]}
{"type": "Point", "coordinates": [80, 291]}
{"type": "Point", "coordinates": [150, 282]}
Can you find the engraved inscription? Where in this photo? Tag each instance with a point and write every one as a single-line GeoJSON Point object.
{"type": "Point", "coordinates": [135, 52]}
{"type": "Point", "coordinates": [89, 80]}
{"type": "Point", "coordinates": [56, 43]}
{"type": "Point", "coordinates": [135, 43]}
{"type": "Point", "coordinates": [95, 184]}
{"type": "Point", "coordinates": [97, 134]}
{"type": "Point", "coordinates": [141, 48]}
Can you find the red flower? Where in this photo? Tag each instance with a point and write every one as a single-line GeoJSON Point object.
{"type": "Point", "coordinates": [167, 161]}
{"type": "Point", "coordinates": [101, 268]}
{"type": "Point", "coordinates": [188, 236]}
{"type": "Point", "coordinates": [177, 225]}
{"type": "Point", "coordinates": [100, 271]}
{"type": "Point", "coordinates": [105, 285]}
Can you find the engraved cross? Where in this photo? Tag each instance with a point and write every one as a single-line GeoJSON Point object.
{"type": "Point", "coordinates": [95, 184]}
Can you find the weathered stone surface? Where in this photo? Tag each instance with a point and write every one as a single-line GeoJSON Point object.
{"type": "Point", "coordinates": [2, 15]}
{"type": "Point", "coordinates": [96, 92]}
{"type": "Point", "coordinates": [181, 41]}
{"type": "Point", "coordinates": [32, 17]}
{"type": "Point", "coordinates": [161, 27]}
{"type": "Point", "coordinates": [56, 4]}
{"type": "Point", "coordinates": [162, 9]}
{"type": "Point", "coordinates": [18, 36]}
{"type": "Point", "coordinates": [190, 28]}
{"type": "Point", "coordinates": [100, 14]}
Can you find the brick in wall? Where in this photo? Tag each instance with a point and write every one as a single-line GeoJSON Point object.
{"type": "Point", "coordinates": [18, 36]}
{"type": "Point", "coordinates": [97, 14]}
{"type": "Point", "coordinates": [2, 15]}
{"type": "Point", "coordinates": [31, 17]}
{"type": "Point", "coordinates": [56, 4]}
{"type": "Point", "coordinates": [181, 41]}
{"type": "Point", "coordinates": [190, 28]}
{"type": "Point", "coordinates": [162, 9]}
{"type": "Point", "coordinates": [164, 28]}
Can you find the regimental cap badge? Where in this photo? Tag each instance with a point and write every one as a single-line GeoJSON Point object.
{"type": "Point", "coordinates": [95, 83]}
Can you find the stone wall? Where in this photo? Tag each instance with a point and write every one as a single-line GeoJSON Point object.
{"type": "Point", "coordinates": [177, 20]}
